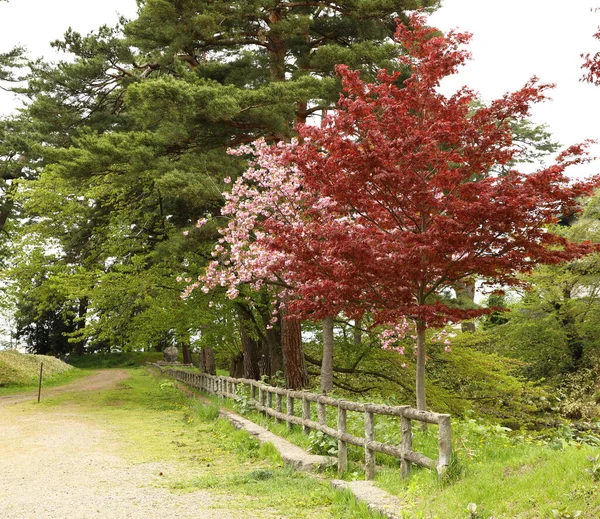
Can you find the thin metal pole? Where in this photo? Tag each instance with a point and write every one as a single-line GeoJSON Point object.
{"type": "Point", "coordinates": [40, 385]}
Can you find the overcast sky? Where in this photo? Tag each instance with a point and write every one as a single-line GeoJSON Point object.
{"type": "Point", "coordinates": [512, 41]}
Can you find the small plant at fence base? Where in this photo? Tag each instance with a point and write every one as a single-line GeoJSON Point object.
{"type": "Point", "coordinates": [594, 470]}
{"type": "Point", "coordinates": [321, 443]}
{"type": "Point", "coordinates": [563, 513]}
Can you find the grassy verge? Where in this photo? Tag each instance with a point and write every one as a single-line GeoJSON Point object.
{"type": "Point", "coordinates": [20, 373]}
{"type": "Point", "coordinates": [196, 450]}
{"type": "Point", "coordinates": [495, 473]}
{"type": "Point", "coordinates": [504, 478]}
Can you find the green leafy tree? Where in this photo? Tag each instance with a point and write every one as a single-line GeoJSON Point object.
{"type": "Point", "coordinates": [132, 133]}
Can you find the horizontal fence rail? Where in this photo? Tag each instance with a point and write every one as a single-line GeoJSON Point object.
{"type": "Point", "coordinates": [261, 398]}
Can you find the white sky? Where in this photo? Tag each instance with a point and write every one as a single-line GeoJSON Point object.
{"type": "Point", "coordinates": [512, 41]}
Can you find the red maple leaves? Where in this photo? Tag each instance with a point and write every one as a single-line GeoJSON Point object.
{"type": "Point", "coordinates": [394, 196]}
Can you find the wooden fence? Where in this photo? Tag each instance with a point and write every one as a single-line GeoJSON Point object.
{"type": "Point", "coordinates": [261, 397]}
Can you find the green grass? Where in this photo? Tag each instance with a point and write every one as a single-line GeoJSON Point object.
{"type": "Point", "coordinates": [20, 372]}
{"type": "Point", "coordinates": [506, 478]}
{"type": "Point", "coordinates": [157, 423]}
{"type": "Point", "coordinates": [505, 475]}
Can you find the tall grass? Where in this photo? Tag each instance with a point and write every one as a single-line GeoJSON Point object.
{"type": "Point", "coordinates": [18, 369]}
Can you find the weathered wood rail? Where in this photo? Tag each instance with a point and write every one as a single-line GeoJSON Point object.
{"type": "Point", "coordinates": [261, 397]}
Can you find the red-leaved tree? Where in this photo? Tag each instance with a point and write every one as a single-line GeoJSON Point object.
{"type": "Point", "coordinates": [410, 203]}
{"type": "Point", "coordinates": [394, 199]}
{"type": "Point", "coordinates": [591, 63]}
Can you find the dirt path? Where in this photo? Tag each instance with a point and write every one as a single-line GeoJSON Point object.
{"type": "Point", "coordinates": [99, 381]}
{"type": "Point", "coordinates": [56, 464]}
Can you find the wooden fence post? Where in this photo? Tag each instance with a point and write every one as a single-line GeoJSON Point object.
{"type": "Point", "coordinates": [289, 410]}
{"type": "Point", "coordinates": [342, 445]}
{"type": "Point", "coordinates": [305, 414]}
{"type": "Point", "coordinates": [322, 413]}
{"type": "Point", "coordinates": [369, 453]}
{"type": "Point", "coordinates": [444, 443]}
{"type": "Point", "coordinates": [261, 398]}
{"type": "Point", "coordinates": [406, 427]}
{"type": "Point", "coordinates": [278, 406]}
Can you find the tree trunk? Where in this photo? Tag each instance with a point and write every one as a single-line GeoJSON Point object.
{"type": "Point", "coordinates": [294, 369]}
{"type": "Point", "coordinates": [81, 313]}
{"type": "Point", "coordinates": [236, 369]}
{"type": "Point", "coordinates": [276, 47]}
{"type": "Point", "coordinates": [202, 361]}
{"type": "Point", "coordinates": [185, 350]}
{"type": "Point", "coordinates": [327, 363]}
{"type": "Point", "coordinates": [357, 332]}
{"type": "Point", "coordinates": [250, 345]}
{"type": "Point", "coordinates": [465, 293]}
{"type": "Point", "coordinates": [209, 361]}
{"type": "Point", "coordinates": [421, 357]}
{"type": "Point", "coordinates": [272, 337]}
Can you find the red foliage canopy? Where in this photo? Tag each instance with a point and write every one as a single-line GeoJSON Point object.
{"type": "Point", "coordinates": [409, 201]}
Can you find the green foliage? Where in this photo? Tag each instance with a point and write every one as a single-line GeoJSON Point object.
{"type": "Point", "coordinates": [467, 378]}
{"type": "Point", "coordinates": [594, 470]}
{"type": "Point", "coordinates": [577, 395]}
{"type": "Point", "coordinates": [321, 443]}
{"type": "Point", "coordinates": [115, 360]}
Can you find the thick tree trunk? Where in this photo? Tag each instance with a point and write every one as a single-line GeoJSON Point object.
{"type": "Point", "coordinates": [294, 369]}
{"type": "Point", "coordinates": [184, 344]}
{"type": "Point", "coordinates": [272, 337]}
{"type": "Point", "coordinates": [276, 47]}
{"type": "Point", "coordinates": [250, 345]}
{"type": "Point", "coordinates": [421, 357]}
{"type": "Point", "coordinates": [327, 363]}
{"type": "Point", "coordinates": [274, 350]}
{"type": "Point", "coordinates": [209, 361]}
{"type": "Point", "coordinates": [236, 369]}
{"type": "Point", "coordinates": [202, 361]}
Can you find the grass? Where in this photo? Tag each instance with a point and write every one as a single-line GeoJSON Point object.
{"type": "Point", "coordinates": [197, 450]}
{"type": "Point", "coordinates": [497, 473]}
{"type": "Point", "coordinates": [20, 372]}
{"type": "Point", "coordinates": [18, 369]}
{"type": "Point", "coordinates": [504, 477]}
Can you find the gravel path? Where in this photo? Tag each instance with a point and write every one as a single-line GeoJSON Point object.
{"type": "Point", "coordinates": [55, 464]}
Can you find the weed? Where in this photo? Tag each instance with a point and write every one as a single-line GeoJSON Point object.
{"type": "Point", "coordinates": [564, 513]}
{"type": "Point", "coordinates": [206, 412]}
{"type": "Point", "coordinates": [244, 405]}
{"type": "Point", "coordinates": [166, 386]}
{"type": "Point", "coordinates": [321, 443]}
{"type": "Point", "coordinates": [269, 452]}
{"type": "Point", "coordinates": [594, 470]}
